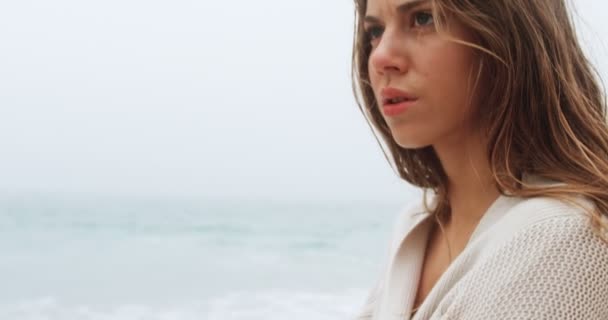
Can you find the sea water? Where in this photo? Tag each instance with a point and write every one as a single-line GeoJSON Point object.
{"type": "Point", "coordinates": [110, 258]}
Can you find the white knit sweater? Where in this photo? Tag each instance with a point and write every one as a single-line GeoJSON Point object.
{"type": "Point", "coordinates": [527, 259]}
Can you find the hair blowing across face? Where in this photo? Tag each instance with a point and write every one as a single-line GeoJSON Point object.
{"type": "Point", "coordinates": [544, 111]}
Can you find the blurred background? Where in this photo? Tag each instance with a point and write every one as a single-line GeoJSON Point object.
{"type": "Point", "coordinates": [192, 160]}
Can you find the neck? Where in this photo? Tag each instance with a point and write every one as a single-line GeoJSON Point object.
{"type": "Point", "coordinates": [471, 188]}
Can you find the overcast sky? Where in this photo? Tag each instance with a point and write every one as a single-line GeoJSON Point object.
{"type": "Point", "coordinates": [189, 97]}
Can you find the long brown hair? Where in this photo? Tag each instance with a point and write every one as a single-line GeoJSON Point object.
{"type": "Point", "coordinates": [544, 112]}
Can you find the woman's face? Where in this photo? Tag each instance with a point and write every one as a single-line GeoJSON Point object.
{"type": "Point", "coordinates": [421, 79]}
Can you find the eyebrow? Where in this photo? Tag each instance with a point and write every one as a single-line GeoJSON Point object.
{"type": "Point", "coordinates": [405, 7]}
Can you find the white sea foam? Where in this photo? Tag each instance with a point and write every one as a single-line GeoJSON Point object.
{"type": "Point", "coordinates": [286, 305]}
{"type": "Point", "coordinates": [267, 305]}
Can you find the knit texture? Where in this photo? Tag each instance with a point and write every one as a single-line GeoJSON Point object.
{"type": "Point", "coordinates": [557, 269]}
{"type": "Point", "coordinates": [531, 259]}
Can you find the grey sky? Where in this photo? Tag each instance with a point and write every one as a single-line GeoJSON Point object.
{"type": "Point", "coordinates": [218, 98]}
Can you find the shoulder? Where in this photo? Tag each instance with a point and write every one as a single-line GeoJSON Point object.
{"type": "Point", "coordinates": [532, 227]}
{"type": "Point", "coordinates": [540, 208]}
{"type": "Point", "coordinates": [516, 217]}
{"type": "Point", "coordinates": [553, 267]}
{"type": "Point", "coordinates": [547, 207]}
{"type": "Point", "coordinates": [561, 233]}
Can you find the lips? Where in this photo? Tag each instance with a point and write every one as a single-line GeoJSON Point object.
{"type": "Point", "coordinates": [392, 96]}
{"type": "Point", "coordinates": [395, 102]}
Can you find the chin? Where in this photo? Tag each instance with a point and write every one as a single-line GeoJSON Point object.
{"type": "Point", "coordinates": [412, 145]}
{"type": "Point", "coordinates": [411, 142]}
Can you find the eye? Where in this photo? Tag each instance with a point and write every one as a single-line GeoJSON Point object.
{"type": "Point", "coordinates": [373, 33]}
{"type": "Point", "coordinates": [423, 19]}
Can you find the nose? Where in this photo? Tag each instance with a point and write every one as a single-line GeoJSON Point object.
{"type": "Point", "coordinates": [389, 56]}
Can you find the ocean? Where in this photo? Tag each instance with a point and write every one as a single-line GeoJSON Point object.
{"type": "Point", "coordinates": [114, 258]}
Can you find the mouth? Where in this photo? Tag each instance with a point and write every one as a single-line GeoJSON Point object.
{"type": "Point", "coordinates": [392, 96]}
{"type": "Point", "coordinates": [397, 100]}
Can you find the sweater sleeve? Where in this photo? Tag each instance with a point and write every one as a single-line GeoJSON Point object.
{"type": "Point", "coordinates": [555, 269]}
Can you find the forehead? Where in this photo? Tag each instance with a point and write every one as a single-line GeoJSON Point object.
{"type": "Point", "coordinates": [387, 7]}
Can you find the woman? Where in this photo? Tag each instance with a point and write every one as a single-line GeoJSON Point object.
{"type": "Point", "coordinates": [492, 108]}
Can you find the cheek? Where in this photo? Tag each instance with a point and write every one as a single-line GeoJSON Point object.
{"type": "Point", "coordinates": [448, 70]}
